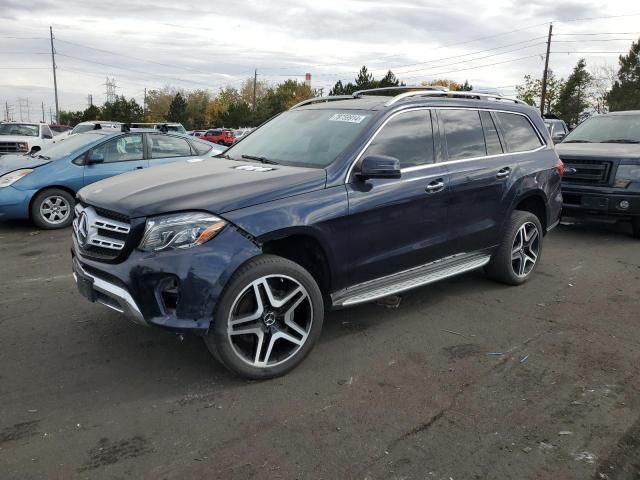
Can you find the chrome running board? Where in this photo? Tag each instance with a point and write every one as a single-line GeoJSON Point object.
{"type": "Point", "coordinates": [409, 279]}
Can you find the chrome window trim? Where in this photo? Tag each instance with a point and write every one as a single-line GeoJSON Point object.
{"type": "Point", "coordinates": [429, 165]}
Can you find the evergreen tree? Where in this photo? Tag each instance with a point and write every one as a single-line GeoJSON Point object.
{"type": "Point", "coordinates": [625, 92]}
{"type": "Point", "coordinates": [177, 109]}
{"type": "Point", "coordinates": [573, 98]}
{"type": "Point", "coordinates": [389, 80]}
{"type": "Point", "coordinates": [465, 87]}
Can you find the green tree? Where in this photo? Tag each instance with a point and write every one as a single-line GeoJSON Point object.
{"type": "Point", "coordinates": [389, 80]}
{"type": "Point", "coordinates": [158, 102]}
{"type": "Point", "coordinates": [178, 109]}
{"type": "Point", "coordinates": [625, 92]}
{"type": "Point", "coordinates": [531, 91]}
{"type": "Point", "coordinates": [121, 110]}
{"type": "Point", "coordinates": [70, 118]}
{"type": "Point", "coordinates": [91, 113]}
{"type": "Point", "coordinates": [465, 87]}
{"type": "Point", "coordinates": [196, 111]}
{"type": "Point", "coordinates": [573, 98]}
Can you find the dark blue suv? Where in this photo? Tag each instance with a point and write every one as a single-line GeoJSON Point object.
{"type": "Point", "coordinates": [336, 202]}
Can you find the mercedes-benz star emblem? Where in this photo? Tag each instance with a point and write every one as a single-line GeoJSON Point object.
{"type": "Point", "coordinates": [83, 229]}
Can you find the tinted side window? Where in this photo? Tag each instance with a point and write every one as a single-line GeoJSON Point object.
{"type": "Point", "coordinates": [494, 147]}
{"type": "Point", "coordinates": [518, 132]}
{"type": "Point", "coordinates": [408, 137]}
{"type": "Point", "coordinates": [122, 149]}
{"type": "Point", "coordinates": [166, 146]}
{"type": "Point", "coordinates": [463, 131]}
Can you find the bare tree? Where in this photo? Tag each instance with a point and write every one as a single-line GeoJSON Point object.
{"type": "Point", "coordinates": [603, 77]}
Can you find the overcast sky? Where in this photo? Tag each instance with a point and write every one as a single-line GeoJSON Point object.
{"type": "Point", "coordinates": [144, 43]}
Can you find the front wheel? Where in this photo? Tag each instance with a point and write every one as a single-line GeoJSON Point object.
{"type": "Point", "coordinates": [268, 320]}
{"type": "Point", "coordinates": [52, 208]}
{"type": "Point", "coordinates": [520, 250]}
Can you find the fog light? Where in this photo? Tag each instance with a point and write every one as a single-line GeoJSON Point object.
{"type": "Point", "coordinates": [624, 204]}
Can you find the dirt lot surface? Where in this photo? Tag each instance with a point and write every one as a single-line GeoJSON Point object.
{"type": "Point", "coordinates": [467, 379]}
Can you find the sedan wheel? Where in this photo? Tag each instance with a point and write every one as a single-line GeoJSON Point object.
{"type": "Point", "coordinates": [55, 210]}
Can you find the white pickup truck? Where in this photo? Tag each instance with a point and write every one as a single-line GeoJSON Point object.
{"type": "Point", "coordinates": [19, 137]}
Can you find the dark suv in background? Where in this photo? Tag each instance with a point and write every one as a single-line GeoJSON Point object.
{"type": "Point", "coordinates": [602, 156]}
{"type": "Point", "coordinates": [336, 202]}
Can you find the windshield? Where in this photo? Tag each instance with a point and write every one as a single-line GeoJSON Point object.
{"type": "Point", "coordinates": [83, 128]}
{"type": "Point", "coordinates": [20, 129]}
{"type": "Point", "coordinates": [305, 138]}
{"type": "Point", "coordinates": [607, 129]}
{"type": "Point", "coordinates": [69, 145]}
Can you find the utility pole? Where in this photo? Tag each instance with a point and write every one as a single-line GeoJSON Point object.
{"type": "Point", "coordinates": [42, 112]}
{"type": "Point", "coordinates": [50, 115]}
{"type": "Point", "coordinates": [55, 80]}
{"type": "Point", "coordinates": [255, 82]}
{"type": "Point", "coordinates": [90, 100]}
{"type": "Point", "coordinates": [543, 95]}
{"type": "Point", "coordinates": [6, 108]}
{"type": "Point", "coordinates": [144, 106]}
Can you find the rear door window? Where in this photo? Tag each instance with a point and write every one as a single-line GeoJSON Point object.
{"type": "Point", "coordinates": [407, 137]}
{"type": "Point", "coordinates": [463, 133]}
{"type": "Point", "coordinates": [519, 134]}
{"type": "Point", "coordinates": [167, 146]}
{"type": "Point", "coordinates": [494, 146]}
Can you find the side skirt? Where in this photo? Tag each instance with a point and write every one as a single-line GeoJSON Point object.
{"type": "Point", "coordinates": [409, 279]}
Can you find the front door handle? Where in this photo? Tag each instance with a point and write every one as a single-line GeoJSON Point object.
{"type": "Point", "coordinates": [435, 186]}
{"type": "Point", "coordinates": [504, 173]}
{"type": "Point", "coordinates": [139, 168]}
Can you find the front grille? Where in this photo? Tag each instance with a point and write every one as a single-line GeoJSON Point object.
{"type": "Point", "coordinates": [588, 172]}
{"type": "Point", "coordinates": [9, 147]}
{"type": "Point", "coordinates": [100, 235]}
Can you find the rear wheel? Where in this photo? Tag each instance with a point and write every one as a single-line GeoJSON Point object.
{"type": "Point", "coordinates": [268, 320]}
{"type": "Point", "coordinates": [520, 250]}
{"type": "Point", "coordinates": [52, 208]}
{"type": "Point", "coordinates": [635, 227]}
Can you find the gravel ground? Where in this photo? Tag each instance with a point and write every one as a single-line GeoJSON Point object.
{"type": "Point", "coordinates": [467, 379]}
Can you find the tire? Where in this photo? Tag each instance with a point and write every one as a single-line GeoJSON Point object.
{"type": "Point", "coordinates": [296, 324]}
{"type": "Point", "coordinates": [635, 227]}
{"type": "Point", "coordinates": [52, 209]}
{"type": "Point", "coordinates": [520, 250]}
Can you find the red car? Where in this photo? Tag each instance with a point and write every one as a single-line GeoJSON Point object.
{"type": "Point", "coordinates": [221, 136]}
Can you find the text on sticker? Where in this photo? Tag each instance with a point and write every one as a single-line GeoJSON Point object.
{"type": "Point", "coordinates": [347, 117]}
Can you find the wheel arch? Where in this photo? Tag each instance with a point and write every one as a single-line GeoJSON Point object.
{"type": "Point", "coordinates": [304, 246]}
{"type": "Point", "coordinates": [534, 202]}
{"type": "Point", "coordinates": [70, 191]}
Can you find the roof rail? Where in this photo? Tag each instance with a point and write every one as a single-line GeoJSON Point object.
{"type": "Point", "coordinates": [452, 94]}
{"type": "Point", "coordinates": [309, 101]}
{"type": "Point", "coordinates": [421, 88]}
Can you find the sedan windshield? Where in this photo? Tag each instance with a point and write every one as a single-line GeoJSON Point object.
{"type": "Point", "coordinates": [607, 129]}
{"type": "Point", "coordinates": [72, 144]}
{"type": "Point", "coordinates": [304, 138]}
{"type": "Point", "coordinates": [20, 129]}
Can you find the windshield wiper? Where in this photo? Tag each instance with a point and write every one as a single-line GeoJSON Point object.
{"type": "Point", "coordinates": [260, 159]}
{"type": "Point", "coordinates": [577, 141]}
{"type": "Point", "coordinates": [620, 140]}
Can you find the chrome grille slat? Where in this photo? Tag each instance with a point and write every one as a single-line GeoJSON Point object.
{"type": "Point", "coordinates": [95, 231]}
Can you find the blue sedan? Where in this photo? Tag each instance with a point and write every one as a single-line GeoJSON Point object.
{"type": "Point", "coordinates": [41, 186]}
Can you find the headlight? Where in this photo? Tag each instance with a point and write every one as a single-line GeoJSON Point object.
{"type": "Point", "coordinates": [180, 230]}
{"type": "Point", "coordinates": [627, 174]}
{"type": "Point", "coordinates": [23, 146]}
{"type": "Point", "coordinates": [12, 177]}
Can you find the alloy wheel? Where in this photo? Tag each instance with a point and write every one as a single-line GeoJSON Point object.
{"type": "Point", "coordinates": [270, 321]}
{"type": "Point", "coordinates": [55, 209]}
{"type": "Point", "coordinates": [525, 249]}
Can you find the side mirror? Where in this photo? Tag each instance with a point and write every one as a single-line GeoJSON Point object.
{"type": "Point", "coordinates": [95, 157]}
{"type": "Point", "coordinates": [379, 166]}
{"type": "Point", "coordinates": [558, 137]}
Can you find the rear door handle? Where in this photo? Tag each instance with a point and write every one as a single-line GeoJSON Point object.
{"type": "Point", "coordinates": [435, 186]}
{"type": "Point", "coordinates": [139, 168]}
{"type": "Point", "coordinates": [504, 173]}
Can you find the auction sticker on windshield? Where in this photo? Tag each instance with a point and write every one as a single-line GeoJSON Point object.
{"type": "Point", "coordinates": [347, 117]}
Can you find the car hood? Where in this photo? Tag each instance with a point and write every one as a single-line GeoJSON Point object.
{"type": "Point", "coordinates": [618, 151]}
{"type": "Point", "coordinates": [213, 184]}
{"type": "Point", "coordinates": [9, 163]}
